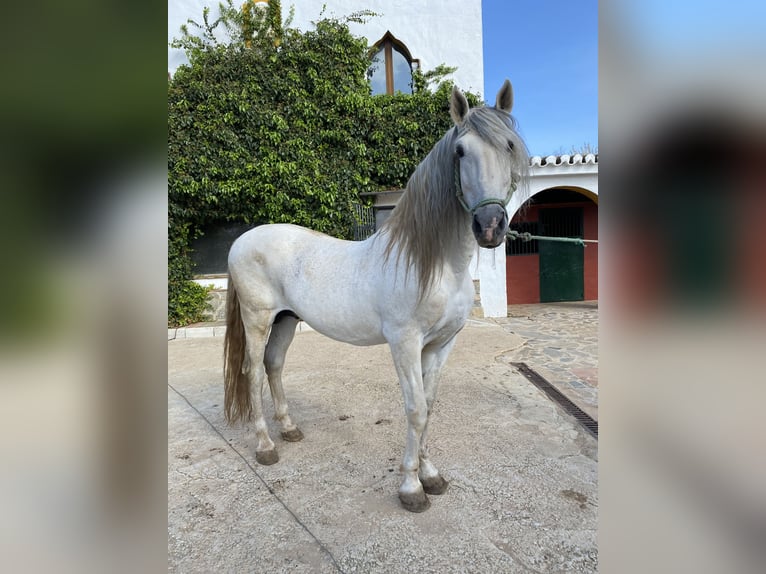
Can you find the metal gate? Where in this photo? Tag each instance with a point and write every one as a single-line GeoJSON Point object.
{"type": "Point", "coordinates": [365, 222]}
{"type": "Point", "coordinates": [561, 264]}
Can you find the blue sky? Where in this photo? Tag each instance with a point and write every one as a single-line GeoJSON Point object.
{"type": "Point", "coordinates": [660, 26]}
{"type": "Point", "coordinates": [549, 51]}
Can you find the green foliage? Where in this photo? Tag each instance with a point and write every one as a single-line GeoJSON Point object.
{"type": "Point", "coordinates": [422, 80]}
{"type": "Point", "coordinates": [186, 300]}
{"type": "Point", "coordinates": [187, 304]}
{"type": "Point", "coordinates": [266, 134]}
{"type": "Point", "coordinates": [402, 130]}
{"type": "Point", "coordinates": [276, 125]}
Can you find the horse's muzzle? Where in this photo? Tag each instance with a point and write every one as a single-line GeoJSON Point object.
{"type": "Point", "coordinates": [490, 224]}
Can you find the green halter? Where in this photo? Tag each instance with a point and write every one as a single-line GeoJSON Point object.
{"type": "Point", "coordinates": [491, 201]}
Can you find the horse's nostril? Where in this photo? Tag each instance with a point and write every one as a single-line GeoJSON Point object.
{"type": "Point", "coordinates": [476, 226]}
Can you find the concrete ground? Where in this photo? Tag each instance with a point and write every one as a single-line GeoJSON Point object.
{"type": "Point", "coordinates": [523, 475]}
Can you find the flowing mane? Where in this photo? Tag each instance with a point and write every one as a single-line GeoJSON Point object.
{"type": "Point", "coordinates": [428, 221]}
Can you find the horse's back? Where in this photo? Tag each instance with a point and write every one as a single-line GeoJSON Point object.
{"type": "Point", "coordinates": [276, 244]}
{"type": "Point", "coordinates": [278, 253]}
{"type": "Point", "coordinates": [275, 235]}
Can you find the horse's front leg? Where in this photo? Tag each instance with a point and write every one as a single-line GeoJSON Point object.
{"type": "Point", "coordinates": [408, 366]}
{"type": "Point", "coordinates": [433, 359]}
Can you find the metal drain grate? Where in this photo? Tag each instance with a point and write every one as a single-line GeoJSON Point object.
{"type": "Point", "coordinates": [539, 381]}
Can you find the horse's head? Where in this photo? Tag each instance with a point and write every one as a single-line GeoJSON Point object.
{"type": "Point", "coordinates": [489, 158]}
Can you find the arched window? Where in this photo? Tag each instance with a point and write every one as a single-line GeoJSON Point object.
{"type": "Point", "coordinates": [392, 66]}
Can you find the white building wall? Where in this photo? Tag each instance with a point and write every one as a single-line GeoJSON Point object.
{"type": "Point", "coordinates": [434, 31]}
{"type": "Point", "coordinates": [488, 266]}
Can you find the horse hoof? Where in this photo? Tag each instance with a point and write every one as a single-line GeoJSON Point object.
{"type": "Point", "coordinates": [414, 501]}
{"type": "Point", "coordinates": [266, 457]}
{"type": "Point", "coordinates": [293, 435]}
{"type": "Point", "coordinates": [435, 485]}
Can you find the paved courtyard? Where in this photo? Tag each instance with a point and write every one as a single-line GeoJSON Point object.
{"type": "Point", "coordinates": [523, 493]}
{"type": "Point", "coordinates": [560, 343]}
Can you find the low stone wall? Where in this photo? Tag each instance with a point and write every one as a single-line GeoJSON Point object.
{"type": "Point", "coordinates": [216, 310]}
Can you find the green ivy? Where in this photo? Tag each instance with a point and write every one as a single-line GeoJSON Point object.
{"type": "Point", "coordinates": [278, 125]}
{"type": "Point", "coordinates": [187, 300]}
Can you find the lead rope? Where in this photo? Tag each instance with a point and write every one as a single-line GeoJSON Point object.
{"type": "Point", "coordinates": [525, 236]}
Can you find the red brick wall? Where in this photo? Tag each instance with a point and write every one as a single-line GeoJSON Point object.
{"type": "Point", "coordinates": [590, 231]}
{"type": "Point", "coordinates": [522, 279]}
{"type": "Point", "coordinates": [522, 272]}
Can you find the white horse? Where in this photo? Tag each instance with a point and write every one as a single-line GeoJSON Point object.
{"type": "Point", "coordinates": [408, 285]}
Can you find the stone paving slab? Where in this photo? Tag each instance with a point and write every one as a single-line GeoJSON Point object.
{"type": "Point", "coordinates": [523, 493]}
{"type": "Point", "coordinates": [560, 343]}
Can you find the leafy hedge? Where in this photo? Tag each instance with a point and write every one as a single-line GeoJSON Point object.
{"type": "Point", "coordinates": [186, 299]}
{"type": "Point", "coordinates": [277, 125]}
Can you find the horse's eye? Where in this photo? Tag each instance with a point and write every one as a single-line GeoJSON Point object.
{"type": "Point", "coordinates": [510, 145]}
{"type": "Point", "coordinates": [460, 151]}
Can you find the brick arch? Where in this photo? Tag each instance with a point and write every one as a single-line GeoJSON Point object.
{"type": "Point", "coordinates": [523, 267]}
{"type": "Point", "coordinates": [558, 177]}
{"type": "Point", "coordinates": [592, 195]}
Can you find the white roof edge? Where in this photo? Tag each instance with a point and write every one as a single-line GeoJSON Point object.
{"type": "Point", "coordinates": [563, 160]}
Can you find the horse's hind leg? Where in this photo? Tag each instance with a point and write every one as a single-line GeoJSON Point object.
{"type": "Point", "coordinates": [433, 359]}
{"type": "Point", "coordinates": [257, 324]}
{"type": "Point", "coordinates": [282, 333]}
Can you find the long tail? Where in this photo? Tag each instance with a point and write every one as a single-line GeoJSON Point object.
{"type": "Point", "coordinates": [237, 401]}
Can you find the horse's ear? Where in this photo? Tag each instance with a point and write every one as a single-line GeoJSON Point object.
{"type": "Point", "coordinates": [458, 106]}
{"type": "Point", "coordinates": [504, 99]}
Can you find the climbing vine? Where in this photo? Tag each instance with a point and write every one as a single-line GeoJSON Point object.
{"type": "Point", "coordinates": [273, 124]}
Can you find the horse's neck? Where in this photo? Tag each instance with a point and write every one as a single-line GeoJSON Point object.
{"type": "Point", "coordinates": [460, 257]}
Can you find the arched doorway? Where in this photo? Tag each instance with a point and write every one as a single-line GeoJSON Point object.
{"type": "Point", "coordinates": [546, 271]}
